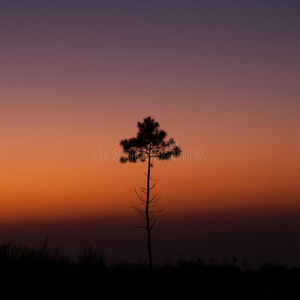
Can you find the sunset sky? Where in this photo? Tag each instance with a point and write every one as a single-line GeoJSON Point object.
{"type": "Point", "coordinates": [221, 77]}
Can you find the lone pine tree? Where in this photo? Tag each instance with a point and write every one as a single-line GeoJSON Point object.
{"type": "Point", "coordinates": [150, 143]}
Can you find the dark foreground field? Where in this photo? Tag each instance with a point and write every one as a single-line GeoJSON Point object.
{"type": "Point", "coordinates": [43, 273]}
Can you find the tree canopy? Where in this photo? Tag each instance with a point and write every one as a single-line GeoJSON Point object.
{"type": "Point", "coordinates": [150, 142]}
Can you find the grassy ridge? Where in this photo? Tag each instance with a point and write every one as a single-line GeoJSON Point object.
{"type": "Point", "coordinates": [43, 273]}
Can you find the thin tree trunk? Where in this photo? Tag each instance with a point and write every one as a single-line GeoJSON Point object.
{"type": "Point", "coordinates": [147, 212]}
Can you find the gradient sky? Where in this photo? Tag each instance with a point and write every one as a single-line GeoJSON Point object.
{"type": "Point", "coordinates": [221, 77]}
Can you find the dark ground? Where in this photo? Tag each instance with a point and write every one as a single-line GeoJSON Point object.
{"type": "Point", "coordinates": [43, 273]}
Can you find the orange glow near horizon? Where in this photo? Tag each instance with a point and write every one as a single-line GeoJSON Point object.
{"type": "Point", "coordinates": [48, 170]}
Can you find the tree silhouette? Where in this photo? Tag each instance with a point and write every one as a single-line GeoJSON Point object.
{"type": "Point", "coordinates": [150, 143]}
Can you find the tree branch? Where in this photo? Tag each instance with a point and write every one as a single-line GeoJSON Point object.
{"type": "Point", "coordinates": [152, 225]}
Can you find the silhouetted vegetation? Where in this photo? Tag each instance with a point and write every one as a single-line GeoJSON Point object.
{"type": "Point", "coordinates": [150, 143]}
{"type": "Point", "coordinates": [43, 273]}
